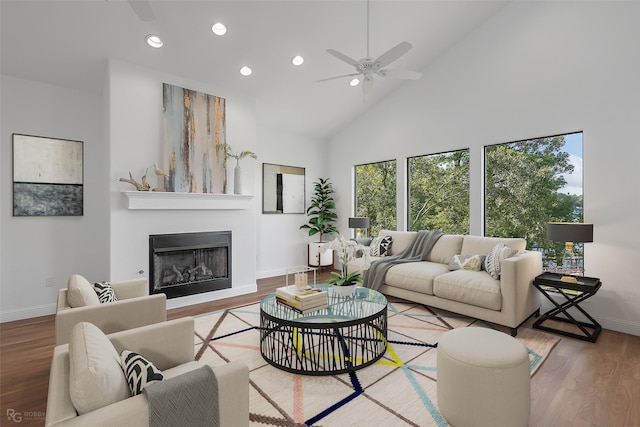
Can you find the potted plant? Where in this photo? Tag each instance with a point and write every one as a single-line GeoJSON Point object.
{"type": "Point", "coordinates": [322, 218]}
{"type": "Point", "coordinates": [345, 284]}
{"type": "Point", "coordinates": [237, 171]}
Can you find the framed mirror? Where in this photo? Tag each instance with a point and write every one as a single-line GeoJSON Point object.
{"type": "Point", "coordinates": [283, 189]}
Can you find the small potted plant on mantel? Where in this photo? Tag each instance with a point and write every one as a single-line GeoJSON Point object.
{"type": "Point", "coordinates": [322, 218]}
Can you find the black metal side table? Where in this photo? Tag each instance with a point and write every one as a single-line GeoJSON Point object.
{"type": "Point", "coordinates": [574, 293]}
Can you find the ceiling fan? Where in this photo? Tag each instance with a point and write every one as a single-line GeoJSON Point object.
{"type": "Point", "coordinates": [368, 66]}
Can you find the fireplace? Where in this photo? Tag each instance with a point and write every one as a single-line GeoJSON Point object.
{"type": "Point", "coordinates": [189, 263]}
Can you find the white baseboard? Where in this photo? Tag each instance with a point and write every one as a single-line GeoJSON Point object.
{"type": "Point", "coordinates": [48, 309]}
{"type": "Point", "coordinates": [27, 312]}
{"type": "Point", "coordinates": [211, 296]}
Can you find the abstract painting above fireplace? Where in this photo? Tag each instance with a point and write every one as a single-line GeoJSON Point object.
{"type": "Point", "coordinates": [189, 263]}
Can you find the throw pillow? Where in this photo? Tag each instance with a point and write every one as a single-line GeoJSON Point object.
{"type": "Point", "coordinates": [493, 261]}
{"type": "Point", "coordinates": [105, 292]}
{"type": "Point", "coordinates": [80, 292]}
{"type": "Point", "coordinates": [95, 375]}
{"type": "Point", "coordinates": [380, 246]}
{"type": "Point", "coordinates": [466, 262]}
{"type": "Point", "coordinates": [473, 263]}
{"type": "Point", "coordinates": [139, 371]}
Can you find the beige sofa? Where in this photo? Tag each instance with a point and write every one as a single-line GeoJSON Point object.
{"type": "Point", "coordinates": [134, 308]}
{"type": "Point", "coordinates": [170, 347]}
{"type": "Point", "coordinates": [506, 301]}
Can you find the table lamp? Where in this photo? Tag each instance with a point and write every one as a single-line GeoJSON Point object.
{"type": "Point", "coordinates": [359, 223]}
{"type": "Point", "coordinates": [570, 233]}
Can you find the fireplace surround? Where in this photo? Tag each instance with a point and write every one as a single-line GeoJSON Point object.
{"type": "Point", "coordinates": [184, 264]}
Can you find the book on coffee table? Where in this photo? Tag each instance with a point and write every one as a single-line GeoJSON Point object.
{"type": "Point", "coordinates": [302, 299]}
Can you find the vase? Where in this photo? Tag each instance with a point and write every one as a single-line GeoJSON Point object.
{"type": "Point", "coordinates": [345, 290]}
{"type": "Point", "coordinates": [237, 180]}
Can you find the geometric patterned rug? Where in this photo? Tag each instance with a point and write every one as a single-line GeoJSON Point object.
{"type": "Point", "coordinates": [398, 390]}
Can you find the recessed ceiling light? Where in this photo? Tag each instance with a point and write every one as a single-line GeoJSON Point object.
{"type": "Point", "coordinates": [219, 29]}
{"type": "Point", "coordinates": [246, 71]}
{"type": "Point", "coordinates": [354, 82]}
{"type": "Point", "coordinates": [297, 60]}
{"type": "Point", "coordinates": [154, 41]}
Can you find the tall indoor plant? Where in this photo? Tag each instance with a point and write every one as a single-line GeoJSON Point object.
{"type": "Point", "coordinates": [322, 218]}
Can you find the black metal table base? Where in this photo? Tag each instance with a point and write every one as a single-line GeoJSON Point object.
{"type": "Point", "coordinates": [589, 331]}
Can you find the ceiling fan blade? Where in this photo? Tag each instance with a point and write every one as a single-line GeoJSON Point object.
{"type": "Point", "coordinates": [367, 84]}
{"type": "Point", "coordinates": [339, 77]}
{"type": "Point", "coordinates": [143, 9]}
{"type": "Point", "coordinates": [400, 74]}
{"type": "Point", "coordinates": [343, 57]}
{"type": "Point", "coordinates": [392, 54]}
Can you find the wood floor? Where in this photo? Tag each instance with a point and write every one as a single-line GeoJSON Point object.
{"type": "Point", "coordinates": [580, 385]}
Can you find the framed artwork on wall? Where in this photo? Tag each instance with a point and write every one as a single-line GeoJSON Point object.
{"type": "Point", "coordinates": [48, 176]}
{"type": "Point", "coordinates": [194, 140]}
{"type": "Point", "coordinates": [282, 189]}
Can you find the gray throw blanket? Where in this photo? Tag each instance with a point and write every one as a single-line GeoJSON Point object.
{"type": "Point", "coordinates": [190, 399]}
{"type": "Point", "coordinates": [416, 251]}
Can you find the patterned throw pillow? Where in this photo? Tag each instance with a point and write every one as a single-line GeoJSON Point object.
{"type": "Point", "coordinates": [493, 261]}
{"type": "Point", "coordinates": [380, 246]}
{"type": "Point", "coordinates": [467, 262]}
{"type": "Point", "coordinates": [105, 292]}
{"type": "Point", "coordinates": [139, 371]}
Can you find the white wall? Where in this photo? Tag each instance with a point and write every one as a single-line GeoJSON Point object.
{"type": "Point", "coordinates": [35, 249]}
{"type": "Point", "coordinates": [535, 69]}
{"type": "Point", "coordinates": [135, 135]}
{"type": "Point", "coordinates": [281, 243]}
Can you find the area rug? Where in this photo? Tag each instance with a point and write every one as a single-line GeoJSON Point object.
{"type": "Point", "coordinates": [398, 390]}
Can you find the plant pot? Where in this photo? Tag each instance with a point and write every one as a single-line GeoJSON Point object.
{"type": "Point", "coordinates": [317, 258]}
{"type": "Point", "coordinates": [344, 290]}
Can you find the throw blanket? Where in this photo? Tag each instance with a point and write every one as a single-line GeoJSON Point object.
{"type": "Point", "coordinates": [190, 399]}
{"type": "Point", "coordinates": [417, 251]}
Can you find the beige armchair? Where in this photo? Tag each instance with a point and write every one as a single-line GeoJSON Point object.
{"type": "Point", "coordinates": [134, 308]}
{"type": "Point", "coordinates": [170, 347]}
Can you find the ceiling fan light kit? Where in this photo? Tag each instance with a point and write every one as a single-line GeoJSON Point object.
{"type": "Point", "coordinates": [368, 66]}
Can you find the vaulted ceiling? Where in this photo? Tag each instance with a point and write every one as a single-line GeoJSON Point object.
{"type": "Point", "coordinates": [67, 43]}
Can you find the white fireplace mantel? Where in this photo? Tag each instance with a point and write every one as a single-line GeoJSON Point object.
{"type": "Point", "coordinates": [168, 200]}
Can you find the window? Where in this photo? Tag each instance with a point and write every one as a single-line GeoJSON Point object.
{"type": "Point", "coordinates": [530, 183]}
{"type": "Point", "coordinates": [376, 195]}
{"type": "Point", "coordinates": [439, 192]}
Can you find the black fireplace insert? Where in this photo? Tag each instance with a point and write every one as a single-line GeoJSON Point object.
{"type": "Point", "coordinates": [189, 263]}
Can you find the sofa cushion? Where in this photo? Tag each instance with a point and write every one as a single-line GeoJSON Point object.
{"type": "Point", "coordinates": [139, 371]}
{"type": "Point", "coordinates": [96, 378]}
{"type": "Point", "coordinates": [469, 287]}
{"type": "Point", "coordinates": [401, 239]}
{"type": "Point", "coordinates": [415, 276]}
{"type": "Point", "coordinates": [467, 262]}
{"type": "Point", "coordinates": [477, 245]}
{"type": "Point", "coordinates": [80, 292]}
{"type": "Point", "coordinates": [445, 248]}
{"type": "Point", "coordinates": [380, 246]}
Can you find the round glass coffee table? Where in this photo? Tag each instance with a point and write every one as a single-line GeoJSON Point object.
{"type": "Point", "coordinates": [349, 334]}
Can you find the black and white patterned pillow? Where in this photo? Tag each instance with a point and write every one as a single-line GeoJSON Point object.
{"type": "Point", "coordinates": [493, 261]}
{"type": "Point", "coordinates": [139, 371]}
{"type": "Point", "coordinates": [105, 292]}
{"type": "Point", "coordinates": [380, 246]}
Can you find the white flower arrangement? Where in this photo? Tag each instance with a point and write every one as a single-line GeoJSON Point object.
{"type": "Point", "coordinates": [347, 250]}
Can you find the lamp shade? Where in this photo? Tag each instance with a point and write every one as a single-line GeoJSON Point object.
{"type": "Point", "coordinates": [359, 222]}
{"type": "Point", "coordinates": [577, 232]}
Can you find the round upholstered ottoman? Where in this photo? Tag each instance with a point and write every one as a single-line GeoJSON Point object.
{"type": "Point", "coordinates": [483, 379]}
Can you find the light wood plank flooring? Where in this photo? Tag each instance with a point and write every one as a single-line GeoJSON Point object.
{"type": "Point", "coordinates": [580, 385]}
